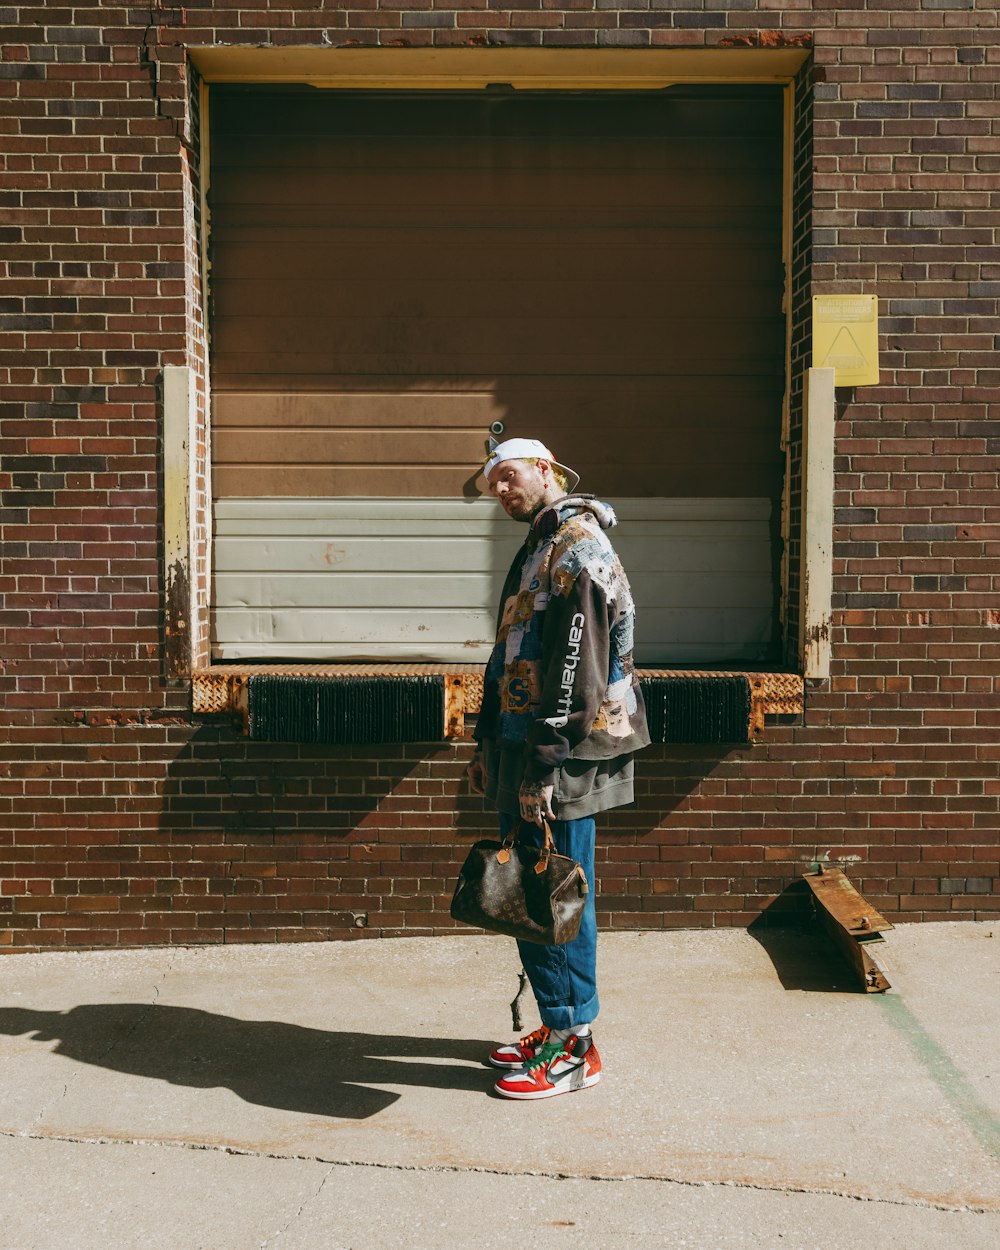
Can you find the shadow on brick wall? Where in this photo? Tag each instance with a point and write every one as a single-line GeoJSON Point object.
{"type": "Point", "coordinates": [264, 839]}
{"type": "Point", "coordinates": [267, 840]}
{"type": "Point", "coordinates": [220, 782]}
{"type": "Point", "coordinates": [667, 777]}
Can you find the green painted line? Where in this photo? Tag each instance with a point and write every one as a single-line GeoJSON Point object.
{"type": "Point", "coordinates": [951, 1082]}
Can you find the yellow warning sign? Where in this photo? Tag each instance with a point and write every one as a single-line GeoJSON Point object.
{"type": "Point", "coordinates": [845, 337]}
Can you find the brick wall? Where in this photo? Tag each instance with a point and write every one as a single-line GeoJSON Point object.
{"type": "Point", "coordinates": [123, 821]}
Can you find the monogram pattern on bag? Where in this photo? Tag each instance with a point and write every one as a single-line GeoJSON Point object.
{"type": "Point", "coordinates": [511, 898]}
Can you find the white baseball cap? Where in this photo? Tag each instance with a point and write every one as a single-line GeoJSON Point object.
{"type": "Point", "coordinates": [526, 449]}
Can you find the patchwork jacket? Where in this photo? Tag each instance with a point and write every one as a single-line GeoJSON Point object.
{"type": "Point", "coordinates": [561, 682]}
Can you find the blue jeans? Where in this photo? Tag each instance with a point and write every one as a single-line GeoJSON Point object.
{"type": "Point", "coordinates": [564, 978]}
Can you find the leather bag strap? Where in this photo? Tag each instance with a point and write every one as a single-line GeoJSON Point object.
{"type": "Point", "coordinates": [548, 846]}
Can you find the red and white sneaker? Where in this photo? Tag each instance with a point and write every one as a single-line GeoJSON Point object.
{"type": "Point", "coordinates": [557, 1068]}
{"type": "Point", "coordinates": [517, 1054]}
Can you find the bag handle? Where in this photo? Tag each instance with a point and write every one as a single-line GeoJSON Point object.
{"type": "Point", "coordinates": [548, 845]}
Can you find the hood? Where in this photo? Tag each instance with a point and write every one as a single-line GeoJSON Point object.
{"type": "Point", "coordinates": [549, 519]}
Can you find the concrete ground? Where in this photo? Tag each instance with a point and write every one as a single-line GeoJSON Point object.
{"type": "Point", "coordinates": [333, 1096]}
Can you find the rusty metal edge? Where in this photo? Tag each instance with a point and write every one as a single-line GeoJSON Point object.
{"type": "Point", "coordinates": [841, 898]}
{"type": "Point", "coordinates": [212, 688]}
{"type": "Point", "coordinates": [454, 707]}
{"type": "Point", "coordinates": [222, 690]}
{"type": "Point", "coordinates": [850, 941]}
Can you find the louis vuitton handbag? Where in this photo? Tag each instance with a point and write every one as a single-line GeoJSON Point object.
{"type": "Point", "coordinates": [527, 892]}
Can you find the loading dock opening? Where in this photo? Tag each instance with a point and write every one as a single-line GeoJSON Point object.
{"type": "Point", "coordinates": [394, 273]}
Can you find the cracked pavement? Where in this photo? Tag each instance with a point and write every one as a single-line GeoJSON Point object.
{"type": "Point", "coordinates": [334, 1094]}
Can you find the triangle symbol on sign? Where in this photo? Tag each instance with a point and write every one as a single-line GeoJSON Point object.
{"type": "Point", "coordinates": [844, 352]}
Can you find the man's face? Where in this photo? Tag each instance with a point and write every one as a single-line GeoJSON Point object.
{"type": "Point", "coordinates": [521, 487]}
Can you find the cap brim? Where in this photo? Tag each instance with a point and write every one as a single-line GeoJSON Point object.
{"type": "Point", "coordinates": [572, 477]}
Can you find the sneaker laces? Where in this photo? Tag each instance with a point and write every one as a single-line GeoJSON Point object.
{"type": "Point", "coordinates": [545, 1055]}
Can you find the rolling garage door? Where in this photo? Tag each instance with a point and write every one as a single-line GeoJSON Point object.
{"type": "Point", "coordinates": [393, 274]}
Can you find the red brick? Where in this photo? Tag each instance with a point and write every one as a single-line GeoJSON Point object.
{"type": "Point", "coordinates": [894, 760]}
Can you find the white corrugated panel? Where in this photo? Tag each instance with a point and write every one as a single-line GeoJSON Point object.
{"type": "Point", "coordinates": [419, 579]}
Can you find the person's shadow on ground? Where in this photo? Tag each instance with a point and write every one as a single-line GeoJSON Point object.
{"type": "Point", "coordinates": [266, 1062]}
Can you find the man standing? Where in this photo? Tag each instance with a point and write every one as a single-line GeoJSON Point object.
{"type": "Point", "coordinates": [561, 715]}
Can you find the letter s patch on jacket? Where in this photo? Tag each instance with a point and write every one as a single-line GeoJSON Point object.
{"type": "Point", "coordinates": [520, 690]}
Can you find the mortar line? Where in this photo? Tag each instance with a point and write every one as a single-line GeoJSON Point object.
{"type": "Point", "coordinates": [816, 1191]}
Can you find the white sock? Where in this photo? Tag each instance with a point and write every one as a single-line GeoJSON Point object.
{"type": "Point", "coordinates": [577, 1030]}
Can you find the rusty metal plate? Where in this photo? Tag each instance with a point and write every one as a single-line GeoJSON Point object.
{"type": "Point", "coordinates": [851, 923]}
{"type": "Point", "coordinates": [771, 694]}
{"type": "Point", "coordinates": [210, 693]}
{"type": "Point", "coordinates": [839, 897]}
{"type": "Point", "coordinates": [217, 690]}
{"type": "Point", "coordinates": [222, 688]}
{"type": "Point", "coordinates": [782, 694]}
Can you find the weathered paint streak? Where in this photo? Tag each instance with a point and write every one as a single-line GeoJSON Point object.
{"type": "Point", "coordinates": [952, 1083]}
{"type": "Point", "coordinates": [177, 621]}
{"type": "Point", "coordinates": [178, 443]}
{"type": "Point", "coordinates": [817, 524]}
